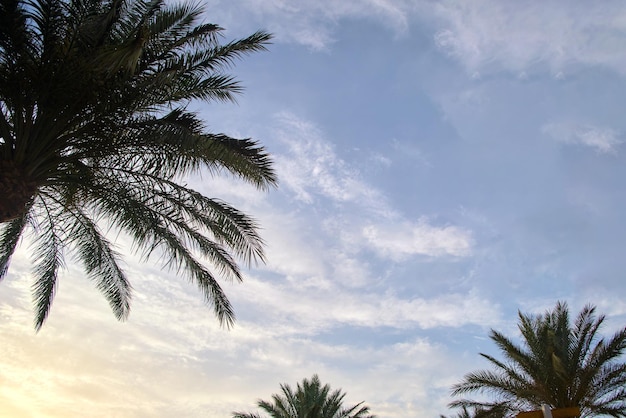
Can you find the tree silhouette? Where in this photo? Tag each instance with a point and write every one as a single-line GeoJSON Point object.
{"type": "Point", "coordinates": [95, 136]}
{"type": "Point", "coordinates": [558, 364]}
{"type": "Point", "coordinates": [309, 400]}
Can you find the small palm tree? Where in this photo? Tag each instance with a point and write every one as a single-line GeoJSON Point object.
{"type": "Point", "coordinates": [478, 412]}
{"type": "Point", "coordinates": [309, 400]}
{"type": "Point", "coordinates": [559, 364]}
{"type": "Point", "coordinates": [95, 136]}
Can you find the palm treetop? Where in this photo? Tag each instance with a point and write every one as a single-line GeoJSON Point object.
{"type": "Point", "coordinates": [309, 400]}
{"type": "Point", "coordinates": [95, 135]}
{"type": "Point", "coordinates": [559, 363]}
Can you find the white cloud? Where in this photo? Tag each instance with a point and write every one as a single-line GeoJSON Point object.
{"type": "Point", "coordinates": [603, 140]}
{"type": "Point", "coordinates": [312, 23]}
{"type": "Point", "coordinates": [395, 379]}
{"type": "Point", "coordinates": [334, 305]}
{"type": "Point", "coordinates": [310, 168]}
{"type": "Point", "coordinates": [449, 310]}
{"type": "Point", "coordinates": [483, 35]}
{"type": "Point", "coordinates": [361, 218]}
{"type": "Point", "coordinates": [490, 35]}
{"type": "Point", "coordinates": [404, 239]}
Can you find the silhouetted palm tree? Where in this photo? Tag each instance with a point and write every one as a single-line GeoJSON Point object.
{"type": "Point", "coordinates": [558, 364]}
{"type": "Point", "coordinates": [95, 135]}
{"type": "Point", "coordinates": [479, 412]}
{"type": "Point", "coordinates": [494, 411]}
{"type": "Point", "coordinates": [310, 400]}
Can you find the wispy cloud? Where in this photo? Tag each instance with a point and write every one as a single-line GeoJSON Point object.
{"type": "Point", "coordinates": [420, 238]}
{"type": "Point", "coordinates": [483, 35]}
{"type": "Point", "coordinates": [312, 23]}
{"type": "Point", "coordinates": [398, 378]}
{"type": "Point", "coordinates": [332, 305]}
{"type": "Point", "coordinates": [490, 35]}
{"type": "Point", "coordinates": [311, 169]}
{"type": "Point", "coordinates": [603, 140]}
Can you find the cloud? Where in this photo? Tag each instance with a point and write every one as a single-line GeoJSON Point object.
{"type": "Point", "coordinates": [603, 140]}
{"type": "Point", "coordinates": [490, 35]}
{"type": "Point", "coordinates": [331, 306]}
{"type": "Point", "coordinates": [312, 23]}
{"type": "Point", "coordinates": [311, 169]}
{"type": "Point", "coordinates": [362, 218]}
{"type": "Point", "coordinates": [420, 238]}
{"type": "Point", "coordinates": [395, 379]}
{"type": "Point", "coordinates": [485, 36]}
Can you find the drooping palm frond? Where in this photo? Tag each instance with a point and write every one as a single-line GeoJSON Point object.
{"type": "Point", "coordinates": [11, 234]}
{"type": "Point", "coordinates": [559, 364]}
{"type": "Point", "coordinates": [94, 132]}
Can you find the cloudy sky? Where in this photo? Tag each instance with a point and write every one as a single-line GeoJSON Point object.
{"type": "Point", "coordinates": [442, 165]}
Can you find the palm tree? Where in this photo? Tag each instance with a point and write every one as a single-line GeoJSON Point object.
{"type": "Point", "coordinates": [559, 364]}
{"type": "Point", "coordinates": [478, 412]}
{"type": "Point", "coordinates": [310, 400]}
{"type": "Point", "coordinates": [95, 139]}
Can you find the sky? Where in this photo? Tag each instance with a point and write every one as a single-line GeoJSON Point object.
{"type": "Point", "coordinates": [442, 165]}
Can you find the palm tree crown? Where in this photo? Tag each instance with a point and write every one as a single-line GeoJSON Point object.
{"type": "Point", "coordinates": [478, 412]}
{"type": "Point", "coordinates": [309, 400]}
{"type": "Point", "coordinates": [559, 364]}
{"type": "Point", "coordinates": [95, 136]}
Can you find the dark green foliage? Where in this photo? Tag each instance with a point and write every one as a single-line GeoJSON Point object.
{"type": "Point", "coordinates": [94, 133]}
{"type": "Point", "coordinates": [309, 400]}
{"type": "Point", "coordinates": [559, 364]}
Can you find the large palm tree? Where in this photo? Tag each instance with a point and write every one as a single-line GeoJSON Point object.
{"type": "Point", "coordinates": [309, 400]}
{"type": "Point", "coordinates": [559, 364]}
{"type": "Point", "coordinates": [95, 137]}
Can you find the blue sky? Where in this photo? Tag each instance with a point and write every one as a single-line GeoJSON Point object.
{"type": "Point", "coordinates": [442, 165]}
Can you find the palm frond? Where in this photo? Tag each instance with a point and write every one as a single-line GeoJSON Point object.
{"type": "Point", "coordinates": [48, 259]}
{"type": "Point", "coordinates": [9, 238]}
{"type": "Point", "coordinates": [101, 262]}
